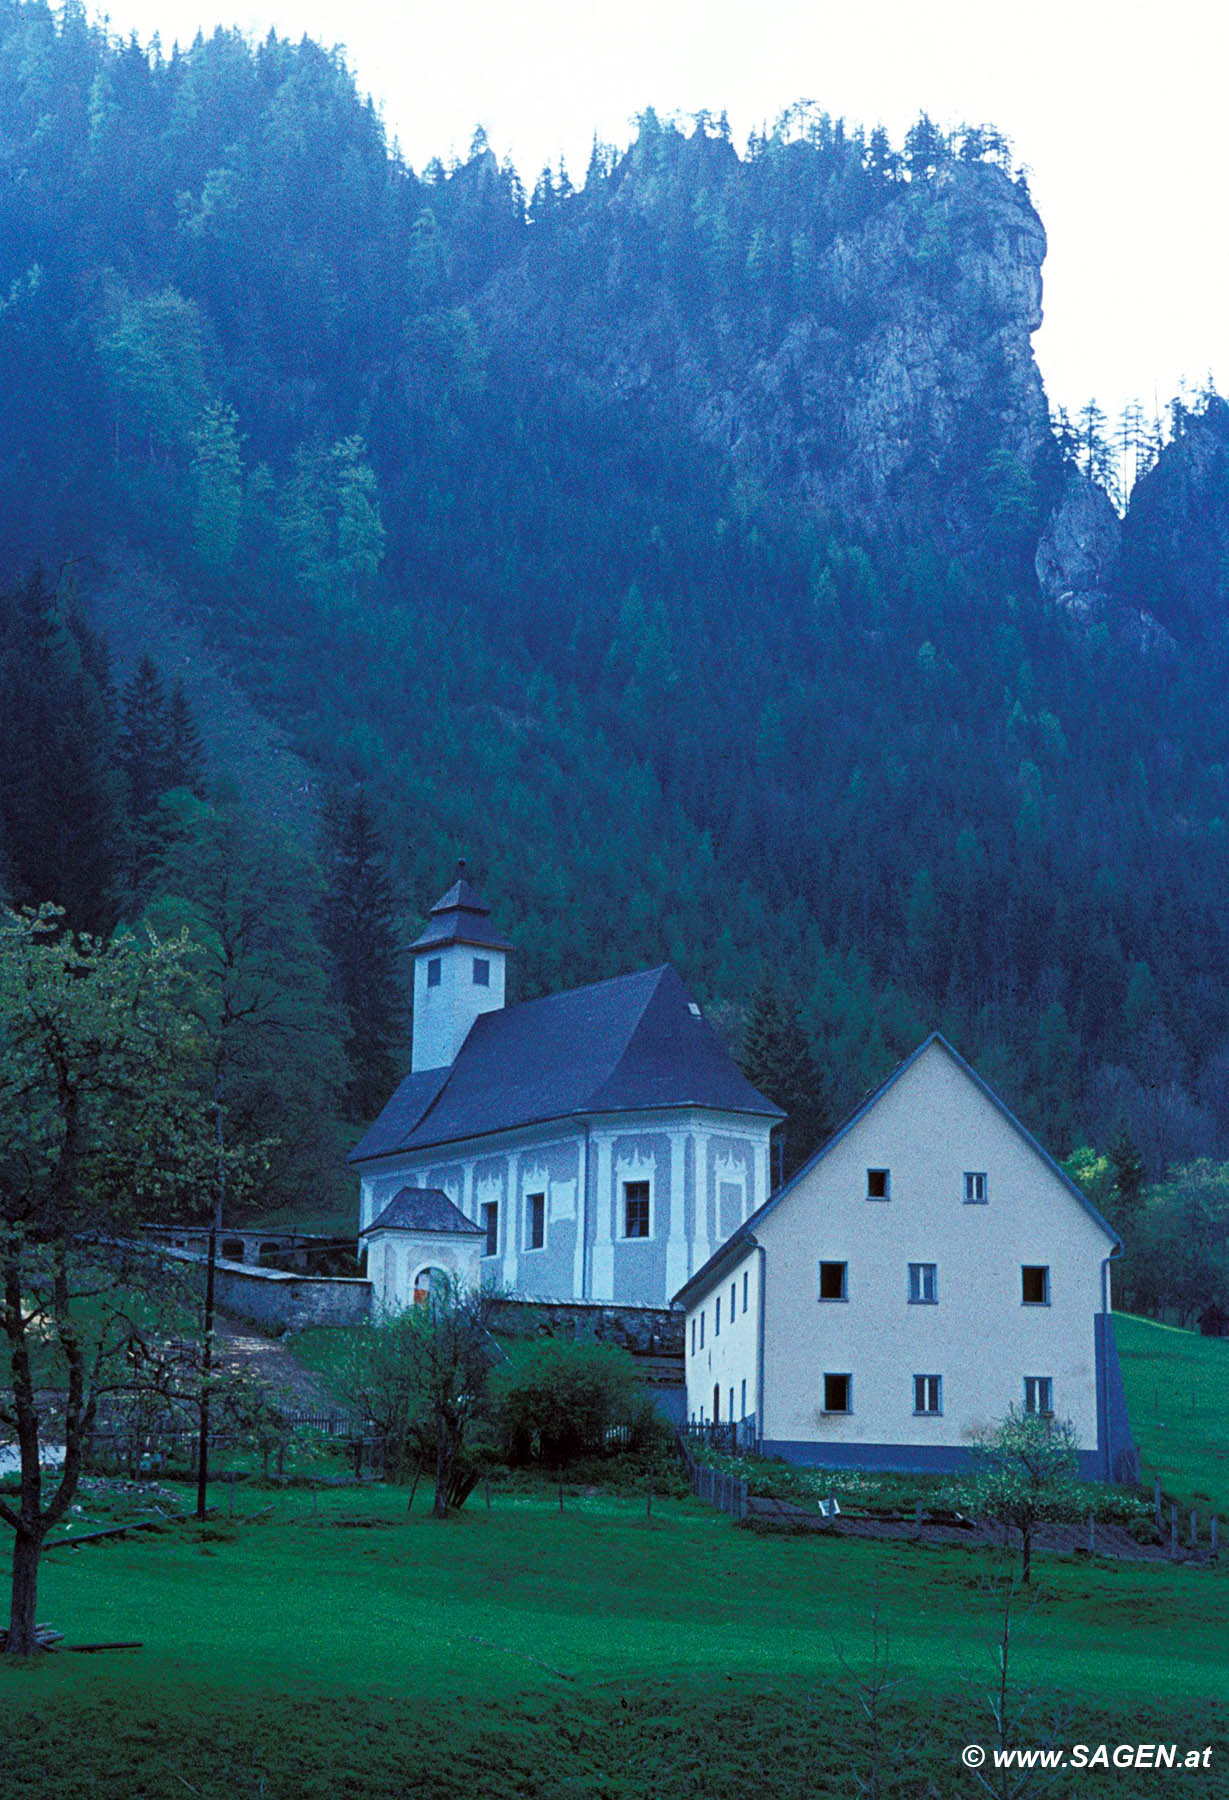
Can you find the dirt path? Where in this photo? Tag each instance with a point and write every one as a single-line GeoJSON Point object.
{"type": "Point", "coordinates": [271, 1364]}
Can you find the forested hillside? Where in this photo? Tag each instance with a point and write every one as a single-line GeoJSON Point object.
{"type": "Point", "coordinates": [666, 546]}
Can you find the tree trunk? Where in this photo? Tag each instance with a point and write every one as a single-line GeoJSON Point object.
{"type": "Point", "coordinates": [1026, 1533]}
{"type": "Point", "coordinates": [27, 1548]}
{"type": "Point", "coordinates": [445, 1456]}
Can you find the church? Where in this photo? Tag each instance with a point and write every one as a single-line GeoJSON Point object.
{"type": "Point", "coordinates": [595, 1145]}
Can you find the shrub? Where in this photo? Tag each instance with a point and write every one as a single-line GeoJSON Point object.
{"type": "Point", "coordinates": [555, 1400]}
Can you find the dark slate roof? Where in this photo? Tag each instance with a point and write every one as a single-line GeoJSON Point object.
{"type": "Point", "coordinates": [619, 1046]}
{"type": "Point", "coordinates": [422, 1209]}
{"type": "Point", "coordinates": [461, 916]}
{"type": "Point", "coordinates": [743, 1237]}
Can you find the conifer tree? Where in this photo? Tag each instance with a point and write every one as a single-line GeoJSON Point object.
{"type": "Point", "coordinates": [777, 1059]}
{"type": "Point", "coordinates": [61, 807]}
{"type": "Point", "coordinates": [358, 930]}
{"type": "Point", "coordinates": [185, 752]}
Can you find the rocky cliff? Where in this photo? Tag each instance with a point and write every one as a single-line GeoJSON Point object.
{"type": "Point", "coordinates": [872, 354]}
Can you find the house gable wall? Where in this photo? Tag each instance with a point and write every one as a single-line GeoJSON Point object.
{"type": "Point", "coordinates": [929, 1129]}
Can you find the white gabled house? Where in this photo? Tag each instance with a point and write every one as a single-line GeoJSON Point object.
{"type": "Point", "coordinates": [928, 1269]}
{"type": "Point", "coordinates": [599, 1142]}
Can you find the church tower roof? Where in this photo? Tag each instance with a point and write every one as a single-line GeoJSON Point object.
{"type": "Point", "coordinates": [461, 916]}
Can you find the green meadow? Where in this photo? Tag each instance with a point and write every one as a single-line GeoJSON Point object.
{"type": "Point", "coordinates": [332, 1643]}
{"type": "Point", "coordinates": [1177, 1387]}
{"type": "Point", "coordinates": [337, 1646]}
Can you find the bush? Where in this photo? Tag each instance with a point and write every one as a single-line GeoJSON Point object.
{"type": "Point", "coordinates": [554, 1400]}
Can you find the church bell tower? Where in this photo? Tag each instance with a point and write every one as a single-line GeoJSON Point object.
{"type": "Point", "coordinates": [459, 972]}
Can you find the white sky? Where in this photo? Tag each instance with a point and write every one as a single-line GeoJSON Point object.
{"type": "Point", "coordinates": [1118, 110]}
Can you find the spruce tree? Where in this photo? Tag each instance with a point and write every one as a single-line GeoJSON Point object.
{"type": "Point", "coordinates": [184, 762]}
{"type": "Point", "coordinates": [777, 1059]}
{"type": "Point", "coordinates": [61, 811]}
{"type": "Point", "coordinates": [358, 930]}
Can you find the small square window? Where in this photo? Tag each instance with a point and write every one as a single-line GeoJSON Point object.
{"type": "Point", "coordinates": [838, 1393]}
{"type": "Point", "coordinates": [928, 1393]}
{"type": "Point", "coordinates": [1039, 1395]}
{"type": "Point", "coordinates": [490, 1224]}
{"type": "Point", "coordinates": [1035, 1284]}
{"type": "Point", "coordinates": [433, 972]}
{"type": "Point", "coordinates": [923, 1284]}
{"type": "Point", "coordinates": [482, 972]}
{"type": "Point", "coordinates": [535, 1221]}
{"type": "Point", "coordinates": [878, 1184]}
{"type": "Point", "coordinates": [975, 1187]}
{"type": "Point", "coordinates": [832, 1281]}
{"type": "Point", "coordinates": [636, 1209]}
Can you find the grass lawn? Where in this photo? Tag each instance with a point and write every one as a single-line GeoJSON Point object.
{"type": "Point", "coordinates": [1177, 1387]}
{"type": "Point", "coordinates": [339, 1647]}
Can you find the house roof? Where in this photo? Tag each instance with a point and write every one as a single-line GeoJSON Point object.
{"type": "Point", "coordinates": [422, 1209]}
{"type": "Point", "coordinates": [743, 1237]}
{"type": "Point", "coordinates": [461, 916]}
{"type": "Point", "coordinates": [624, 1045]}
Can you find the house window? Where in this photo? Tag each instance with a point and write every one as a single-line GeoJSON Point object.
{"type": "Point", "coordinates": [482, 972]}
{"type": "Point", "coordinates": [928, 1393]}
{"type": "Point", "coordinates": [717, 1317]}
{"type": "Point", "coordinates": [693, 1337]}
{"type": "Point", "coordinates": [838, 1393]}
{"type": "Point", "coordinates": [490, 1224]}
{"type": "Point", "coordinates": [1039, 1394]}
{"type": "Point", "coordinates": [975, 1187]}
{"type": "Point", "coordinates": [731, 1406]}
{"type": "Point", "coordinates": [535, 1221]}
{"type": "Point", "coordinates": [733, 1298]}
{"type": "Point", "coordinates": [636, 1209]}
{"type": "Point", "coordinates": [832, 1281]}
{"type": "Point", "coordinates": [701, 1331]}
{"type": "Point", "coordinates": [433, 972]}
{"type": "Point", "coordinates": [923, 1284]}
{"type": "Point", "coordinates": [745, 1280]}
{"type": "Point", "coordinates": [743, 1412]}
{"type": "Point", "coordinates": [1035, 1284]}
{"type": "Point", "coordinates": [878, 1184]}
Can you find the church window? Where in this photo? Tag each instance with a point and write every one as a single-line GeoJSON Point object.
{"type": "Point", "coordinates": [878, 1184]}
{"type": "Point", "coordinates": [733, 1297]}
{"type": "Point", "coordinates": [701, 1331]}
{"type": "Point", "coordinates": [693, 1336]}
{"type": "Point", "coordinates": [975, 1187]}
{"type": "Point", "coordinates": [745, 1283]}
{"type": "Point", "coordinates": [490, 1224]}
{"type": "Point", "coordinates": [717, 1318]}
{"type": "Point", "coordinates": [636, 1209]}
{"type": "Point", "coordinates": [535, 1221]}
{"type": "Point", "coordinates": [482, 972]}
{"type": "Point", "coordinates": [433, 972]}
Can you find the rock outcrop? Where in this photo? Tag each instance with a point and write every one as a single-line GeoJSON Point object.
{"type": "Point", "coordinates": [873, 357]}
